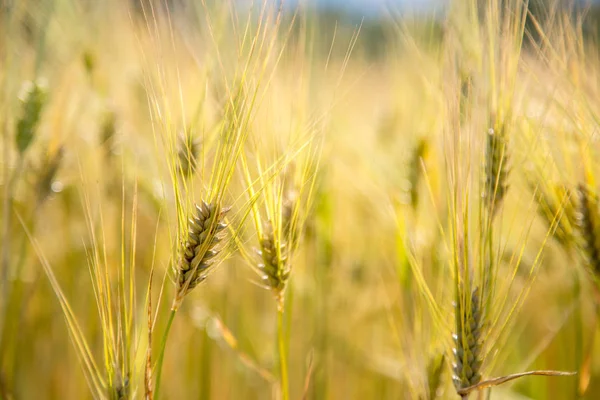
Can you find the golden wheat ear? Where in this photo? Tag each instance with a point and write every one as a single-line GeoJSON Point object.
{"type": "Point", "coordinates": [202, 246]}
{"type": "Point", "coordinates": [273, 265]}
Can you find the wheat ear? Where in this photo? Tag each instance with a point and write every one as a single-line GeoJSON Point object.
{"type": "Point", "coordinates": [467, 339]}
{"type": "Point", "coordinates": [201, 248]}
{"type": "Point", "coordinates": [274, 265]}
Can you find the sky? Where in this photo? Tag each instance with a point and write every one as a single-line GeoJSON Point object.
{"type": "Point", "coordinates": [375, 6]}
{"type": "Point", "coordinates": [365, 4]}
{"type": "Point", "coordinates": [371, 6]}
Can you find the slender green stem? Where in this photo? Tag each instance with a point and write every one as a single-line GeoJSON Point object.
{"type": "Point", "coordinates": [282, 355]}
{"type": "Point", "coordinates": [163, 346]}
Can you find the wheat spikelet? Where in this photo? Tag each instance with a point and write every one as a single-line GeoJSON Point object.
{"type": "Point", "coordinates": [274, 265]}
{"type": "Point", "coordinates": [588, 224]}
{"type": "Point", "coordinates": [496, 168]}
{"type": "Point", "coordinates": [201, 248]}
{"type": "Point", "coordinates": [467, 353]}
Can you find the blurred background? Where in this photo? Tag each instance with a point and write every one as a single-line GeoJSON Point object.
{"type": "Point", "coordinates": [382, 114]}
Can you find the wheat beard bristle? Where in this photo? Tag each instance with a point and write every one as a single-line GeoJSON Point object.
{"type": "Point", "coordinates": [274, 262]}
{"type": "Point", "coordinates": [587, 221]}
{"type": "Point", "coordinates": [467, 353]}
{"type": "Point", "coordinates": [206, 230]}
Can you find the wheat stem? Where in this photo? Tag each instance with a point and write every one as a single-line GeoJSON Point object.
{"type": "Point", "coordinates": [282, 355]}
{"type": "Point", "coordinates": [163, 346]}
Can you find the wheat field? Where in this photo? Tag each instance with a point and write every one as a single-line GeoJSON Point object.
{"type": "Point", "coordinates": [254, 200]}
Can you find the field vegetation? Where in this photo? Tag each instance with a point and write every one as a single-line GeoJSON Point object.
{"type": "Point", "coordinates": [246, 200]}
